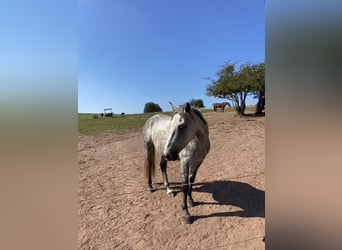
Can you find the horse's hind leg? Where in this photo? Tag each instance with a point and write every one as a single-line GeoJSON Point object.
{"type": "Point", "coordinates": [149, 165]}
{"type": "Point", "coordinates": [163, 167]}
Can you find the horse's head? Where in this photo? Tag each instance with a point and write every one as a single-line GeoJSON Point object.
{"type": "Point", "coordinates": [182, 130]}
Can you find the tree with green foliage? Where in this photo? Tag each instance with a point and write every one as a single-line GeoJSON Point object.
{"type": "Point", "coordinates": [258, 88]}
{"type": "Point", "coordinates": [151, 107]}
{"type": "Point", "coordinates": [235, 85]}
{"type": "Point", "coordinates": [198, 103]}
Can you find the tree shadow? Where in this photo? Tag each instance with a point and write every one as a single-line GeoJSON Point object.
{"type": "Point", "coordinates": [251, 200]}
{"type": "Point", "coordinates": [248, 115]}
{"type": "Point", "coordinates": [261, 114]}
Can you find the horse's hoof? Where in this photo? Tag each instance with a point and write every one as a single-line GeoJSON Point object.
{"type": "Point", "coordinates": [170, 191]}
{"type": "Point", "coordinates": [187, 220]}
{"type": "Point", "coordinates": [150, 189]}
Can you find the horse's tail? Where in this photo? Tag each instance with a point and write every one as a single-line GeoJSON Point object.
{"type": "Point", "coordinates": [150, 165]}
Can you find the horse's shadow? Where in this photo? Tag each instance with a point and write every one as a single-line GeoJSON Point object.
{"type": "Point", "coordinates": [251, 200]}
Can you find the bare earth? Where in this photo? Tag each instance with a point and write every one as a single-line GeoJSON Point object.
{"type": "Point", "coordinates": [117, 212]}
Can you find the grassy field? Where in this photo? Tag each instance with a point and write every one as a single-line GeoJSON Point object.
{"type": "Point", "coordinates": [119, 124]}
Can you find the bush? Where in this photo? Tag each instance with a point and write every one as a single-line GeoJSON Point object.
{"type": "Point", "coordinates": [152, 107]}
{"type": "Point", "coordinates": [198, 103]}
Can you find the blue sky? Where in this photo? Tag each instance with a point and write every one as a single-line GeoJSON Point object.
{"type": "Point", "coordinates": [132, 51]}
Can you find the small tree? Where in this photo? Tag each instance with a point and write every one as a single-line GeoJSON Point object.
{"type": "Point", "coordinates": [198, 103]}
{"type": "Point", "coordinates": [234, 85]}
{"type": "Point", "coordinates": [152, 107]}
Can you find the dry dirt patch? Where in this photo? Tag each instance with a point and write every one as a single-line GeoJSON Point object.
{"type": "Point", "coordinates": [116, 211]}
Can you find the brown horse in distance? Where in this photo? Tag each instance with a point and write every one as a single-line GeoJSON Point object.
{"type": "Point", "coordinates": [221, 106]}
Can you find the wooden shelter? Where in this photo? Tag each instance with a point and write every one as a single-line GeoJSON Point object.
{"type": "Point", "coordinates": [108, 112]}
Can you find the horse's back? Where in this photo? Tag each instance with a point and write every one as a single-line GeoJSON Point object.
{"type": "Point", "coordinates": [156, 122]}
{"type": "Point", "coordinates": [155, 131]}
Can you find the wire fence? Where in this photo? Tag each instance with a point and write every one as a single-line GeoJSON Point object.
{"type": "Point", "coordinates": [236, 242]}
{"type": "Point", "coordinates": [174, 187]}
{"type": "Point", "coordinates": [179, 186]}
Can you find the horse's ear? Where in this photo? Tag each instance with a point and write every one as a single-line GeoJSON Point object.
{"type": "Point", "coordinates": [173, 107]}
{"type": "Point", "coordinates": [187, 107]}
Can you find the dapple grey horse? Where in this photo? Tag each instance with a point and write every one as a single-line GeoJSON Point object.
{"type": "Point", "coordinates": [183, 136]}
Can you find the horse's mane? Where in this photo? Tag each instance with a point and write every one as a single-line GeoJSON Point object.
{"type": "Point", "coordinates": [199, 114]}
{"type": "Point", "coordinates": [180, 110]}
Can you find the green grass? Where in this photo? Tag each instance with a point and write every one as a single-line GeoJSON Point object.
{"type": "Point", "coordinates": [117, 124]}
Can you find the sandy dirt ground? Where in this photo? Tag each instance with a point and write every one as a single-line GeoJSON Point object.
{"type": "Point", "coordinates": [117, 212]}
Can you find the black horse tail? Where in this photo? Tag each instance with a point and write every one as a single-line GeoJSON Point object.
{"type": "Point", "coordinates": [150, 165]}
